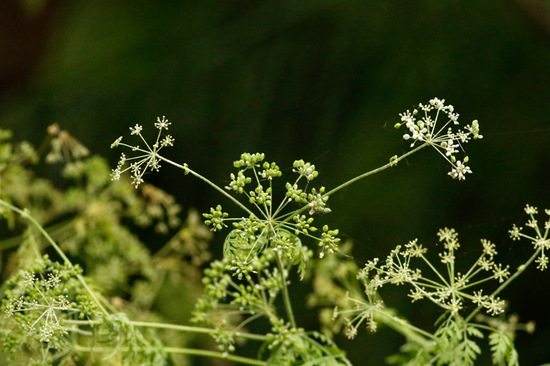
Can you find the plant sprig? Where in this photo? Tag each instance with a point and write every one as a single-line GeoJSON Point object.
{"type": "Point", "coordinates": [454, 341]}
{"type": "Point", "coordinates": [266, 242]}
{"type": "Point", "coordinates": [264, 245]}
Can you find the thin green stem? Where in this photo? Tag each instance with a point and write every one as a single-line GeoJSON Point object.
{"type": "Point", "coordinates": [190, 329]}
{"type": "Point", "coordinates": [176, 327]}
{"type": "Point", "coordinates": [401, 326]}
{"type": "Point", "coordinates": [26, 215]}
{"type": "Point", "coordinates": [286, 297]}
{"type": "Point", "coordinates": [505, 284]}
{"type": "Point", "coordinates": [182, 351]}
{"type": "Point", "coordinates": [405, 328]}
{"type": "Point", "coordinates": [357, 178]}
{"type": "Point", "coordinates": [434, 270]}
{"type": "Point", "coordinates": [53, 230]}
{"type": "Point", "coordinates": [476, 283]}
{"type": "Point", "coordinates": [285, 201]}
{"type": "Point", "coordinates": [519, 271]}
{"type": "Point", "coordinates": [377, 170]}
{"type": "Point", "coordinates": [10, 243]}
{"type": "Point", "coordinates": [484, 327]}
{"type": "Point", "coordinates": [214, 354]}
{"type": "Point", "coordinates": [207, 181]}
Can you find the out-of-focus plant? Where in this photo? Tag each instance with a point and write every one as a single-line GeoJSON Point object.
{"type": "Point", "coordinates": [90, 222]}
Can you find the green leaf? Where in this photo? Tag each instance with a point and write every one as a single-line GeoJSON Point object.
{"type": "Point", "coordinates": [503, 349]}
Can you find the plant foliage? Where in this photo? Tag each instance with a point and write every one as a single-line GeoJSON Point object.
{"type": "Point", "coordinates": [81, 286]}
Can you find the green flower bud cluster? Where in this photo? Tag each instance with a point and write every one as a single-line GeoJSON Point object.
{"type": "Point", "coordinates": [306, 170]}
{"type": "Point", "coordinates": [215, 218]}
{"type": "Point", "coordinates": [40, 301]}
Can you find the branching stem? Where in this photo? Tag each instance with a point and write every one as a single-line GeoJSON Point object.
{"type": "Point", "coordinates": [176, 327]}
{"type": "Point", "coordinates": [377, 170]}
{"type": "Point", "coordinates": [286, 297]}
{"type": "Point", "coordinates": [505, 284]}
{"type": "Point", "coordinates": [183, 351]}
{"type": "Point", "coordinates": [207, 181]}
{"type": "Point", "coordinates": [56, 247]}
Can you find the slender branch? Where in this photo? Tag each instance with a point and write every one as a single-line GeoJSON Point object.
{"type": "Point", "coordinates": [206, 180]}
{"type": "Point", "coordinates": [176, 327]}
{"type": "Point", "coordinates": [214, 354]}
{"type": "Point", "coordinates": [53, 230]}
{"type": "Point", "coordinates": [286, 297]}
{"type": "Point", "coordinates": [405, 328]}
{"type": "Point", "coordinates": [377, 170]}
{"type": "Point", "coordinates": [182, 351]}
{"type": "Point", "coordinates": [357, 178]}
{"type": "Point", "coordinates": [505, 284]}
{"type": "Point", "coordinates": [26, 215]}
{"type": "Point", "coordinates": [190, 329]}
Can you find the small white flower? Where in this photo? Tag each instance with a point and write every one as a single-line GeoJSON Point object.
{"type": "Point", "coordinates": [451, 148]}
{"type": "Point", "coordinates": [438, 103]}
{"type": "Point", "coordinates": [515, 232]}
{"type": "Point", "coordinates": [459, 171]}
{"type": "Point", "coordinates": [531, 210]}
{"type": "Point", "coordinates": [474, 129]}
{"type": "Point", "coordinates": [425, 107]}
{"type": "Point", "coordinates": [115, 174]}
{"type": "Point", "coordinates": [495, 305]}
{"type": "Point", "coordinates": [407, 117]}
{"type": "Point", "coordinates": [542, 262]}
{"type": "Point", "coordinates": [136, 181]}
{"type": "Point", "coordinates": [136, 130]}
{"type": "Point", "coordinates": [463, 136]}
{"type": "Point", "coordinates": [116, 142]}
{"type": "Point", "coordinates": [167, 141]}
{"type": "Point", "coordinates": [162, 124]}
{"type": "Point", "coordinates": [500, 273]}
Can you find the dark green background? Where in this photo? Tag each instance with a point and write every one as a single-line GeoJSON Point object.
{"type": "Point", "coordinates": [319, 80]}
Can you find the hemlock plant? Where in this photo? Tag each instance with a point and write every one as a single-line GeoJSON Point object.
{"type": "Point", "coordinates": [94, 303]}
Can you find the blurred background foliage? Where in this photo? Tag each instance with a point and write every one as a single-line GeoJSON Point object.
{"type": "Point", "coordinates": [319, 80]}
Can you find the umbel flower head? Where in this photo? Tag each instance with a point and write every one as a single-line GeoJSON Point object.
{"type": "Point", "coordinates": [148, 159]}
{"type": "Point", "coordinates": [541, 237]}
{"type": "Point", "coordinates": [423, 126]}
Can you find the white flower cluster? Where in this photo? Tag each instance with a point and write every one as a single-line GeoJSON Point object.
{"type": "Point", "coordinates": [449, 288]}
{"type": "Point", "coordinates": [442, 137]}
{"type": "Point", "coordinates": [148, 160]}
{"type": "Point", "coordinates": [541, 237]}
